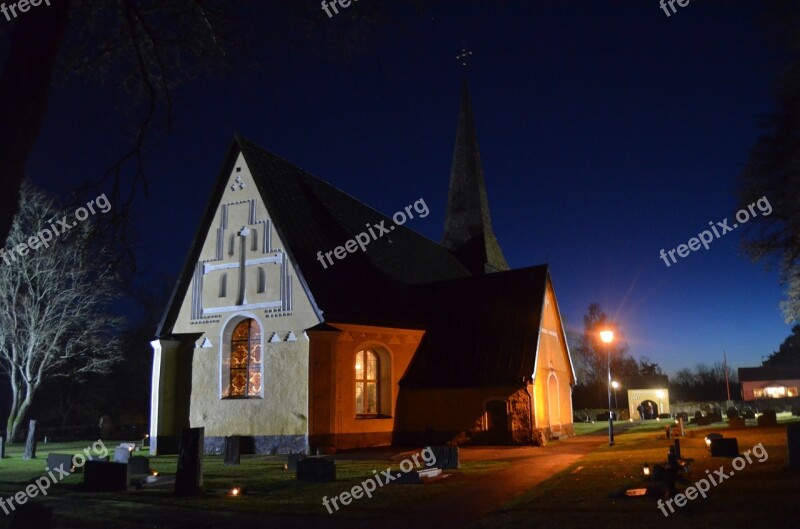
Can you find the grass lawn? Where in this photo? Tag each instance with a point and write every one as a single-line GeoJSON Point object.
{"type": "Point", "coordinates": [760, 495]}
{"type": "Point", "coordinates": [267, 486]}
{"type": "Point", "coordinates": [581, 496]}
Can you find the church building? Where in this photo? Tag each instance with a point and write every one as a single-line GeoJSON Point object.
{"type": "Point", "coordinates": [407, 342]}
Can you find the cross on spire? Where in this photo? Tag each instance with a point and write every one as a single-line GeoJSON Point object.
{"type": "Point", "coordinates": [464, 57]}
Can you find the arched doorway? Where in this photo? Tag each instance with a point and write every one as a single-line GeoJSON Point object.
{"type": "Point", "coordinates": [497, 415]}
{"type": "Point", "coordinates": [647, 410]}
{"type": "Point", "coordinates": [554, 404]}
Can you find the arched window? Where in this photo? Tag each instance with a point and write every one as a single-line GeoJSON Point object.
{"type": "Point", "coordinates": [245, 370]}
{"type": "Point", "coordinates": [261, 286]}
{"type": "Point", "coordinates": [223, 285]}
{"type": "Point", "coordinates": [366, 383]}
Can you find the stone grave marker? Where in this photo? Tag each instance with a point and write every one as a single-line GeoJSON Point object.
{"type": "Point", "coordinates": [725, 447]}
{"type": "Point", "coordinates": [316, 469]}
{"type": "Point", "coordinates": [189, 477]}
{"type": "Point", "coordinates": [122, 455]}
{"type": "Point", "coordinates": [2, 447]}
{"type": "Point", "coordinates": [59, 460]}
{"type": "Point", "coordinates": [232, 452]}
{"type": "Point", "coordinates": [292, 459]}
{"type": "Point", "coordinates": [31, 515]}
{"type": "Point", "coordinates": [793, 443]}
{"type": "Point", "coordinates": [768, 418]}
{"type": "Point", "coordinates": [139, 466]}
{"type": "Point", "coordinates": [102, 476]}
{"type": "Point", "coordinates": [446, 457]}
{"type": "Point", "coordinates": [30, 443]}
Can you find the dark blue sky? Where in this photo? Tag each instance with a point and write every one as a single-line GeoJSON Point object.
{"type": "Point", "coordinates": [608, 132]}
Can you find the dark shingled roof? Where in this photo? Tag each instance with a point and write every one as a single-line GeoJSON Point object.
{"type": "Point", "coordinates": [480, 330]}
{"type": "Point", "coordinates": [766, 374]}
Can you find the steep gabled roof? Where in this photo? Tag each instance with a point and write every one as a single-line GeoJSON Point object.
{"type": "Point", "coordinates": [310, 216]}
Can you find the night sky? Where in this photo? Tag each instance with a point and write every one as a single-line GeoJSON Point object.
{"type": "Point", "coordinates": [608, 131]}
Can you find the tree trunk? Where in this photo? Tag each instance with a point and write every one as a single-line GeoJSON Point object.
{"type": "Point", "coordinates": [30, 443]}
{"type": "Point", "coordinates": [16, 415]}
{"type": "Point", "coordinates": [24, 87]}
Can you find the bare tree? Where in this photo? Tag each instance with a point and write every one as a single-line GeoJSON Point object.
{"type": "Point", "coordinates": [144, 49]}
{"type": "Point", "coordinates": [54, 300]}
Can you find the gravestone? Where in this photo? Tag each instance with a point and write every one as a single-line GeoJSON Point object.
{"type": "Point", "coordinates": [101, 476]}
{"type": "Point", "coordinates": [59, 460]}
{"type": "Point", "coordinates": [736, 422]}
{"type": "Point", "coordinates": [139, 466]}
{"type": "Point", "coordinates": [793, 443]}
{"type": "Point", "coordinates": [702, 421]}
{"type": "Point", "coordinates": [417, 477]}
{"type": "Point", "coordinates": [30, 443]}
{"type": "Point", "coordinates": [122, 455]}
{"type": "Point", "coordinates": [726, 447]}
{"type": "Point", "coordinates": [316, 469]}
{"type": "Point", "coordinates": [31, 515]}
{"type": "Point", "coordinates": [189, 476]}
{"type": "Point", "coordinates": [682, 425]}
{"type": "Point", "coordinates": [445, 457]}
{"type": "Point", "coordinates": [732, 413]}
{"type": "Point", "coordinates": [768, 418]}
{"type": "Point", "coordinates": [232, 454]}
{"type": "Point", "coordinates": [292, 459]}
{"type": "Point", "coordinates": [2, 447]}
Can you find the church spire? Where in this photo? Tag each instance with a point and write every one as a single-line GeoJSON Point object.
{"type": "Point", "coordinates": [468, 227]}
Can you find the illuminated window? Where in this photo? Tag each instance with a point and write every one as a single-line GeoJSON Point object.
{"type": "Point", "coordinates": [774, 392]}
{"type": "Point", "coordinates": [245, 369]}
{"type": "Point", "coordinates": [366, 383]}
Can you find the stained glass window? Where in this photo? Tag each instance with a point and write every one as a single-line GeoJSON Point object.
{"type": "Point", "coordinates": [366, 383]}
{"type": "Point", "coordinates": [246, 360]}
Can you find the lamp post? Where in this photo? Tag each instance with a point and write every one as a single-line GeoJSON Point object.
{"type": "Point", "coordinates": [615, 385]}
{"type": "Point", "coordinates": [660, 395]}
{"type": "Point", "coordinates": [607, 337]}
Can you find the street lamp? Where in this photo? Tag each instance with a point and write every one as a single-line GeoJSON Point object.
{"type": "Point", "coordinates": [660, 395]}
{"type": "Point", "coordinates": [607, 337]}
{"type": "Point", "coordinates": [615, 385]}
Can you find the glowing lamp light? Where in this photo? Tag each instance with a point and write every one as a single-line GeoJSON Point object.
{"type": "Point", "coordinates": [646, 469]}
{"type": "Point", "coordinates": [235, 491]}
{"type": "Point", "coordinates": [154, 473]}
{"type": "Point", "coordinates": [615, 384]}
{"type": "Point", "coordinates": [607, 336]}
